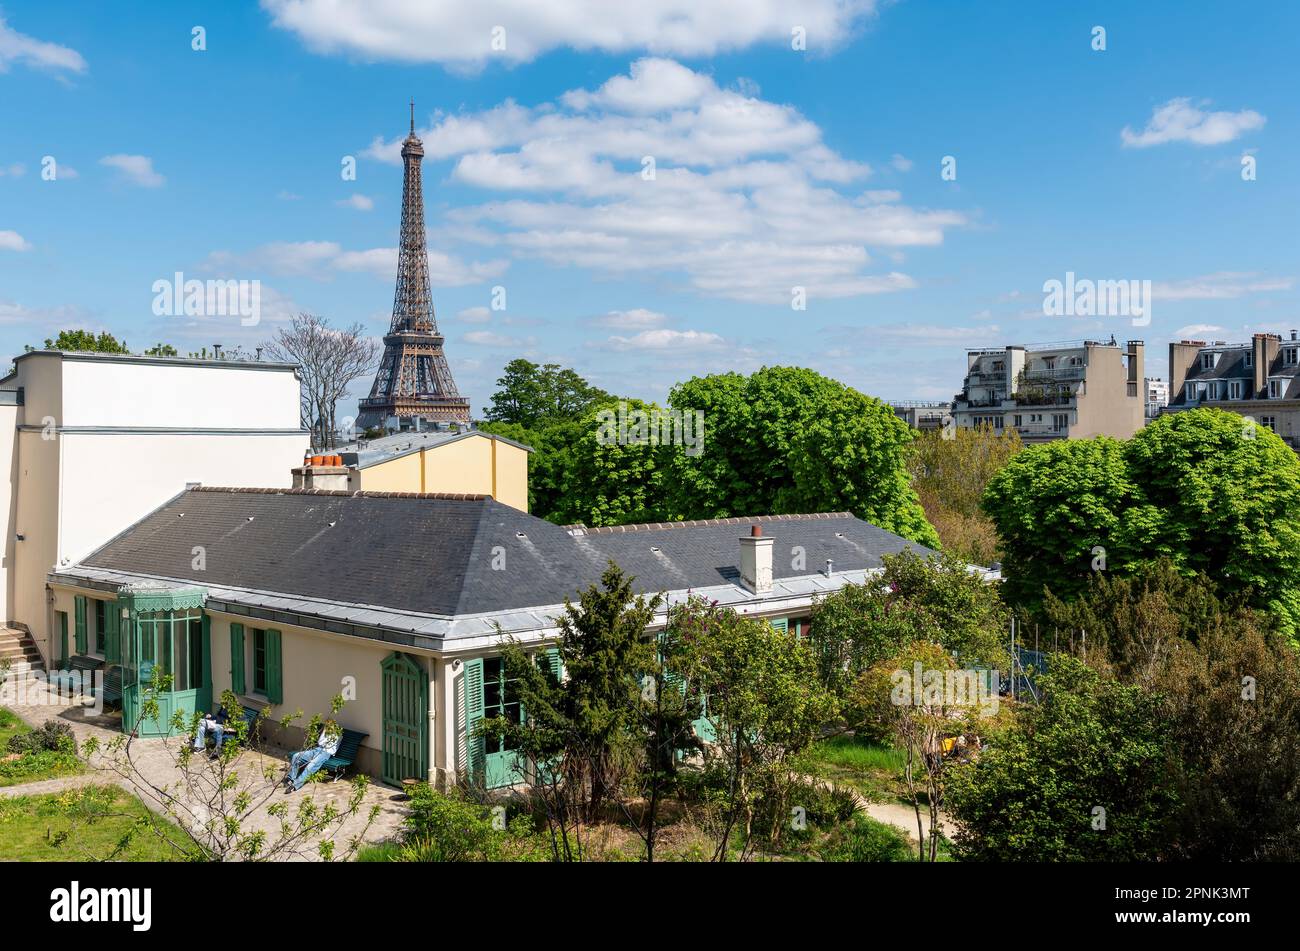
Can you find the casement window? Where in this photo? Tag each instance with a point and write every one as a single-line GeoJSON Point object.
{"type": "Point", "coordinates": [62, 626]}
{"type": "Point", "coordinates": [1275, 389]}
{"type": "Point", "coordinates": [1289, 356]}
{"type": "Point", "coordinates": [1060, 422]}
{"type": "Point", "coordinates": [79, 622]}
{"type": "Point", "coordinates": [1268, 422]}
{"type": "Point", "coordinates": [487, 694]}
{"type": "Point", "coordinates": [1250, 359]}
{"type": "Point", "coordinates": [1207, 361]}
{"type": "Point", "coordinates": [1234, 390]}
{"type": "Point", "coordinates": [263, 660]}
{"type": "Point", "coordinates": [101, 626]}
{"type": "Point", "coordinates": [1016, 421]}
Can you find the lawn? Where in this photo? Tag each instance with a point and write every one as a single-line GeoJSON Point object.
{"type": "Point", "coordinates": [80, 825]}
{"type": "Point", "coordinates": [873, 769]}
{"type": "Point", "coordinates": [11, 724]}
{"type": "Point", "coordinates": [34, 765]}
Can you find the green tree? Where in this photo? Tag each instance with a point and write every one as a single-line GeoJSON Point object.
{"type": "Point", "coordinates": [786, 439]}
{"type": "Point", "coordinates": [85, 341]}
{"type": "Point", "coordinates": [1222, 496]}
{"type": "Point", "coordinates": [759, 689]}
{"type": "Point", "coordinates": [580, 732]}
{"type": "Point", "coordinates": [534, 396]}
{"type": "Point", "coordinates": [609, 480]}
{"type": "Point", "coordinates": [1084, 775]}
{"type": "Point", "coordinates": [1234, 701]}
{"type": "Point", "coordinates": [1205, 488]}
{"type": "Point", "coordinates": [935, 599]}
{"type": "Point", "coordinates": [1053, 505]}
{"type": "Point", "coordinates": [161, 350]}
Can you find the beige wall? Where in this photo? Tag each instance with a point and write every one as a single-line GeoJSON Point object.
{"type": "Point", "coordinates": [127, 436]}
{"type": "Point", "coordinates": [477, 465]}
{"type": "Point", "coordinates": [9, 416]}
{"type": "Point", "coordinates": [317, 666]}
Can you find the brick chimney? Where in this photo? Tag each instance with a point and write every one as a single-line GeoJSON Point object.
{"type": "Point", "coordinates": [756, 561]}
{"type": "Point", "coordinates": [321, 472]}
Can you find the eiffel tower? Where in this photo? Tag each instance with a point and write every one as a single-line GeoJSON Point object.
{"type": "Point", "coordinates": [414, 380]}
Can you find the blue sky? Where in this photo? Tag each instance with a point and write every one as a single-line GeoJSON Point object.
{"type": "Point", "coordinates": [774, 168]}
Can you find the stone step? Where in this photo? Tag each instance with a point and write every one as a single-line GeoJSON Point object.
{"type": "Point", "coordinates": [21, 667]}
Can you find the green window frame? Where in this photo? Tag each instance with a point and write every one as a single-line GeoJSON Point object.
{"type": "Point", "coordinates": [500, 699]}
{"type": "Point", "coordinates": [268, 664]}
{"type": "Point", "coordinates": [259, 661]}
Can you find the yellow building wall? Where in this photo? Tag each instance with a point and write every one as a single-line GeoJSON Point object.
{"type": "Point", "coordinates": [477, 465]}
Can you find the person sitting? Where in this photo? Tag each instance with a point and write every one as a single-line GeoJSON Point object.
{"type": "Point", "coordinates": [214, 727]}
{"type": "Point", "coordinates": [305, 763]}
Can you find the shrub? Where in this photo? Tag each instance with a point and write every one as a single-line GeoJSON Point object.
{"type": "Point", "coordinates": [866, 840]}
{"type": "Point", "coordinates": [53, 736]}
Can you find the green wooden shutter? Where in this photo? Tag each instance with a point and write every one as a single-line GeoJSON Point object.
{"type": "Point", "coordinates": [206, 680]}
{"type": "Point", "coordinates": [237, 658]}
{"type": "Point", "coordinates": [556, 665]}
{"type": "Point", "coordinates": [79, 607]}
{"type": "Point", "coordinates": [780, 624]}
{"type": "Point", "coordinates": [274, 668]}
{"type": "Point", "coordinates": [475, 746]}
{"type": "Point", "coordinates": [112, 633]}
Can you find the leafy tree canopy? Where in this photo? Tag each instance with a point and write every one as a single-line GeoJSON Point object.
{"type": "Point", "coordinates": [534, 396]}
{"type": "Point", "coordinates": [1202, 488]}
{"type": "Point", "coordinates": [85, 341]}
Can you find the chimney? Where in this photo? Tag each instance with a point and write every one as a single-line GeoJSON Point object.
{"type": "Point", "coordinates": [756, 561]}
{"type": "Point", "coordinates": [322, 472]}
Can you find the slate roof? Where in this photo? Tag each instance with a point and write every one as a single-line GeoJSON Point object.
{"type": "Point", "coordinates": [1232, 366]}
{"type": "Point", "coordinates": [449, 555]}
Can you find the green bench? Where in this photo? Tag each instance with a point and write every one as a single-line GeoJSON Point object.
{"type": "Point", "coordinates": [249, 714]}
{"type": "Point", "coordinates": [341, 761]}
{"type": "Point", "coordinates": [78, 664]}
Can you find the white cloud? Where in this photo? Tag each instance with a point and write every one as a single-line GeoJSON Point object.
{"type": "Point", "coordinates": [746, 201]}
{"type": "Point", "coordinates": [17, 47]}
{"type": "Point", "coordinates": [13, 241]}
{"type": "Point", "coordinates": [487, 338]}
{"type": "Point", "coordinates": [636, 319]}
{"type": "Point", "coordinates": [1180, 121]}
{"type": "Point", "coordinates": [474, 315]}
{"type": "Point", "coordinates": [359, 202]}
{"type": "Point", "coordinates": [901, 162]}
{"type": "Point", "coordinates": [16, 170]}
{"type": "Point", "coordinates": [136, 169]}
{"type": "Point", "coordinates": [285, 195]}
{"type": "Point", "coordinates": [664, 339]}
{"type": "Point", "coordinates": [1197, 330]}
{"type": "Point", "coordinates": [1224, 285]}
{"type": "Point", "coordinates": [321, 259]}
{"type": "Point", "coordinates": [461, 35]}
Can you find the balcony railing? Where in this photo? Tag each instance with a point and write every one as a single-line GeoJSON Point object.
{"type": "Point", "coordinates": [1057, 373]}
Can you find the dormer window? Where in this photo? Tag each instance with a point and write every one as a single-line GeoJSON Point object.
{"type": "Point", "coordinates": [1289, 356]}
{"type": "Point", "coordinates": [1207, 361]}
{"type": "Point", "coordinates": [1275, 389]}
{"type": "Point", "coordinates": [1234, 390]}
{"type": "Point", "coordinates": [1250, 358]}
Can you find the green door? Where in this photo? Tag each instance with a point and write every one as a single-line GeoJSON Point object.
{"type": "Point", "coordinates": [406, 718]}
{"type": "Point", "coordinates": [488, 694]}
{"type": "Point", "coordinates": [63, 639]}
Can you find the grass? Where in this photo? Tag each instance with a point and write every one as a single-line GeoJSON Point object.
{"type": "Point", "coordinates": [90, 823]}
{"type": "Point", "coordinates": [380, 852]}
{"type": "Point", "coordinates": [11, 724]}
{"type": "Point", "coordinates": [873, 769]}
{"type": "Point", "coordinates": [32, 766]}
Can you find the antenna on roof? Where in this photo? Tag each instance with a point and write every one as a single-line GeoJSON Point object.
{"type": "Point", "coordinates": [412, 117]}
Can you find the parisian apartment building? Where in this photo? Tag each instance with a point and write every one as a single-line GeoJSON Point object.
{"type": "Point", "coordinates": [1069, 390]}
{"type": "Point", "coordinates": [1256, 379]}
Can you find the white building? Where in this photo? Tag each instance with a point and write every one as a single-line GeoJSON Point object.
{"type": "Point", "coordinates": [90, 443]}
